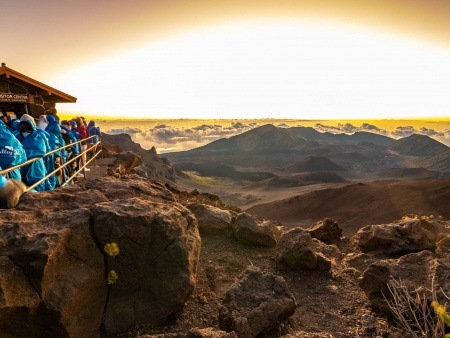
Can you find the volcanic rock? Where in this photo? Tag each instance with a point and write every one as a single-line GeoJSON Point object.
{"type": "Point", "coordinates": [256, 304]}
{"type": "Point", "coordinates": [250, 230]}
{"type": "Point", "coordinates": [298, 250]}
{"type": "Point", "coordinates": [53, 271]}
{"type": "Point", "coordinates": [130, 186]}
{"type": "Point", "coordinates": [52, 274]}
{"type": "Point", "coordinates": [66, 198]}
{"type": "Point", "coordinates": [159, 250]}
{"type": "Point", "coordinates": [110, 150]}
{"type": "Point", "coordinates": [145, 163]}
{"type": "Point", "coordinates": [124, 163]}
{"type": "Point", "coordinates": [400, 237]}
{"type": "Point", "coordinates": [327, 231]}
{"type": "Point", "coordinates": [415, 270]}
{"type": "Point", "coordinates": [211, 219]}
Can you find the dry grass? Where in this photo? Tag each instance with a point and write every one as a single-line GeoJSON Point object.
{"type": "Point", "coordinates": [413, 310]}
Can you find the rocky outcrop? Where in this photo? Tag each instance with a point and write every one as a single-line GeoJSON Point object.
{"type": "Point", "coordinates": [67, 198]}
{"type": "Point", "coordinates": [256, 304]}
{"type": "Point", "coordinates": [53, 276]}
{"type": "Point", "coordinates": [151, 165]}
{"type": "Point", "coordinates": [122, 141]}
{"type": "Point", "coordinates": [211, 219]}
{"type": "Point", "coordinates": [298, 250]}
{"type": "Point", "coordinates": [124, 163]}
{"type": "Point", "coordinates": [405, 236]}
{"type": "Point", "coordinates": [415, 270]}
{"type": "Point", "coordinates": [110, 150]}
{"type": "Point", "coordinates": [250, 230]}
{"type": "Point", "coordinates": [327, 231]}
{"type": "Point", "coordinates": [54, 271]}
{"type": "Point", "coordinates": [159, 250]}
{"type": "Point", "coordinates": [130, 186]}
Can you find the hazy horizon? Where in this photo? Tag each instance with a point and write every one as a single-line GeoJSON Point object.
{"type": "Point", "coordinates": [168, 135]}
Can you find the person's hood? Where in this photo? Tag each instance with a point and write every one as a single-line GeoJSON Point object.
{"type": "Point", "coordinates": [73, 124]}
{"type": "Point", "coordinates": [42, 123]}
{"type": "Point", "coordinates": [52, 120]}
{"type": "Point", "coordinates": [29, 119]}
{"type": "Point", "coordinates": [91, 124]}
{"type": "Point", "coordinates": [63, 127]}
{"type": "Point", "coordinates": [15, 124]}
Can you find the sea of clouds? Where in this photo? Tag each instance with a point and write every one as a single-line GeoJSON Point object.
{"type": "Point", "coordinates": [169, 138]}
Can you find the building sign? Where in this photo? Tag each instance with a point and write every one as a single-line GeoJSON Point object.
{"type": "Point", "coordinates": [11, 97]}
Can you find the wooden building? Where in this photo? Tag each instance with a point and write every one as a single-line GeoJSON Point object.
{"type": "Point", "coordinates": [20, 94]}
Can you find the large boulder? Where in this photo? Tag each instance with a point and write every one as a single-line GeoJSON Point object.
{"type": "Point", "coordinates": [401, 237]}
{"type": "Point", "coordinates": [159, 250]}
{"type": "Point", "coordinates": [211, 219]}
{"type": "Point", "coordinates": [327, 231]}
{"type": "Point", "coordinates": [67, 198]}
{"type": "Point", "coordinates": [52, 281]}
{"type": "Point", "coordinates": [298, 250]}
{"type": "Point", "coordinates": [250, 230]}
{"type": "Point", "coordinates": [416, 271]}
{"type": "Point", "coordinates": [256, 304]}
{"type": "Point", "coordinates": [130, 186]}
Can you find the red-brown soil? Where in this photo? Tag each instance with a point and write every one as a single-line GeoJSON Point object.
{"type": "Point", "coordinates": [357, 205]}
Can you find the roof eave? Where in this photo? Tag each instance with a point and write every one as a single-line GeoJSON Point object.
{"type": "Point", "coordinates": [62, 97]}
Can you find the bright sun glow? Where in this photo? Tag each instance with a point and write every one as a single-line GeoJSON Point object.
{"type": "Point", "coordinates": [283, 69]}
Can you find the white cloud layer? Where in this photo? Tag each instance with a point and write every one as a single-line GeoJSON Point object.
{"type": "Point", "coordinates": [167, 138]}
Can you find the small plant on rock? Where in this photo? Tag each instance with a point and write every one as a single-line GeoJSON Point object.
{"type": "Point", "coordinates": [112, 249]}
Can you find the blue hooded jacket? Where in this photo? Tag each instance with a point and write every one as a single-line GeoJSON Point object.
{"type": "Point", "coordinates": [56, 140]}
{"type": "Point", "coordinates": [35, 145]}
{"type": "Point", "coordinates": [15, 125]}
{"type": "Point", "coordinates": [93, 131]}
{"type": "Point", "coordinates": [11, 152]}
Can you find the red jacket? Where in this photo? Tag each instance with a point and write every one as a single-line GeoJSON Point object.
{"type": "Point", "coordinates": [83, 132]}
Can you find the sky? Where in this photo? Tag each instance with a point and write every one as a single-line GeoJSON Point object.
{"type": "Point", "coordinates": [346, 59]}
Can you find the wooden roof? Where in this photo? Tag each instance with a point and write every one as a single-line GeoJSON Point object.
{"type": "Point", "coordinates": [58, 96]}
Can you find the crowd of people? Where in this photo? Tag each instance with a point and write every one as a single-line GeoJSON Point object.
{"type": "Point", "coordinates": [26, 138]}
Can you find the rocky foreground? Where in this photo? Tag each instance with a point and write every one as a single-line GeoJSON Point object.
{"type": "Point", "coordinates": [188, 266]}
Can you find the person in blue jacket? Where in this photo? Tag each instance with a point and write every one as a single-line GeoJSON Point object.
{"type": "Point", "coordinates": [50, 184]}
{"type": "Point", "coordinates": [93, 131]}
{"type": "Point", "coordinates": [75, 132]}
{"type": "Point", "coordinates": [35, 145]}
{"type": "Point", "coordinates": [56, 141]}
{"type": "Point", "coordinates": [70, 137]}
{"type": "Point", "coordinates": [14, 125]}
{"type": "Point", "coordinates": [11, 152]}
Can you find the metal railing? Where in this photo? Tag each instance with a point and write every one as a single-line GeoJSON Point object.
{"type": "Point", "coordinates": [61, 169]}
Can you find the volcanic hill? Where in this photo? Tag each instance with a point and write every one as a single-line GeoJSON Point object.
{"type": "Point", "coordinates": [357, 205]}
